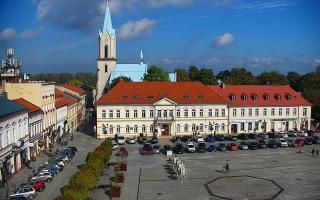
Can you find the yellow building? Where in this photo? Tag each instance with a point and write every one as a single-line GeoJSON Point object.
{"type": "Point", "coordinates": [42, 95]}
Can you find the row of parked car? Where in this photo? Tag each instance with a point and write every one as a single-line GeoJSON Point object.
{"type": "Point", "coordinates": [45, 174]}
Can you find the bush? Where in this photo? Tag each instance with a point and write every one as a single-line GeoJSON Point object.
{"type": "Point", "coordinates": [63, 198]}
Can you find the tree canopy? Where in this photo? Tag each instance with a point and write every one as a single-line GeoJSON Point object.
{"type": "Point", "coordinates": [240, 76]}
{"type": "Point", "coordinates": [156, 73]}
{"type": "Point", "coordinates": [76, 82]}
{"type": "Point", "coordinates": [272, 78]}
{"type": "Point", "coordinates": [182, 75]}
{"type": "Point", "coordinates": [115, 81]}
{"type": "Point", "coordinates": [204, 75]}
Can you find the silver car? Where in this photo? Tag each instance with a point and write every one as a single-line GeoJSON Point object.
{"type": "Point", "coordinates": [25, 191]}
{"type": "Point", "coordinates": [45, 176]}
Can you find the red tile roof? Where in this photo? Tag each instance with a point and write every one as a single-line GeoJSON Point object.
{"type": "Point", "coordinates": [76, 89]}
{"type": "Point", "coordinates": [30, 107]}
{"type": "Point", "coordinates": [58, 93]}
{"type": "Point", "coordinates": [151, 92]}
{"type": "Point", "coordinates": [70, 100]}
{"type": "Point", "coordinates": [63, 99]}
{"type": "Point", "coordinates": [261, 91]}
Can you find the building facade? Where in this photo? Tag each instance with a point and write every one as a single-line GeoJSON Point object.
{"type": "Point", "coordinates": [62, 113]}
{"type": "Point", "coordinates": [162, 109]}
{"type": "Point", "coordinates": [72, 122]}
{"type": "Point", "coordinates": [42, 95]}
{"type": "Point", "coordinates": [265, 108]}
{"type": "Point", "coordinates": [14, 137]}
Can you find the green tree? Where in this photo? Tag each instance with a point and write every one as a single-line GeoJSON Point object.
{"type": "Point", "coordinates": [318, 69]}
{"type": "Point", "coordinates": [115, 81]}
{"type": "Point", "coordinates": [193, 73]}
{"type": "Point", "coordinates": [294, 80]}
{"type": "Point", "coordinates": [156, 73]}
{"type": "Point", "coordinates": [76, 82]}
{"type": "Point", "coordinates": [272, 78]}
{"type": "Point", "coordinates": [182, 75]}
{"type": "Point", "coordinates": [206, 76]}
{"type": "Point", "coordinates": [240, 76]}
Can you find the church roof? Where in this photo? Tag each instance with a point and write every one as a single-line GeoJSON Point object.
{"type": "Point", "coordinates": [133, 71]}
{"type": "Point", "coordinates": [107, 25]}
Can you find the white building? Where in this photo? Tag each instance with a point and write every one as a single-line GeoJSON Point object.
{"type": "Point", "coordinates": [62, 113]}
{"type": "Point", "coordinates": [14, 145]}
{"type": "Point", "coordinates": [264, 108]}
{"type": "Point", "coordinates": [162, 108]}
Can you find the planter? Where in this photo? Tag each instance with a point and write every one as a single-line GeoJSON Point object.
{"type": "Point", "coordinates": [115, 192]}
{"type": "Point", "coordinates": [119, 178]}
{"type": "Point", "coordinates": [123, 167]}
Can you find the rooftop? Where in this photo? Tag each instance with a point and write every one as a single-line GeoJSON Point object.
{"type": "Point", "coordinates": [76, 89]}
{"type": "Point", "coordinates": [7, 106]}
{"type": "Point", "coordinates": [31, 107]}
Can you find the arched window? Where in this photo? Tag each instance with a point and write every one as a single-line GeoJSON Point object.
{"type": "Point", "coordinates": [111, 129]}
{"type": "Point", "coordinates": [186, 128]}
{"type": "Point", "coordinates": [216, 127]}
{"type": "Point", "coordinates": [201, 127]}
{"type": "Point", "coordinates": [254, 97]}
{"type": "Point", "coordinates": [222, 127]}
{"type": "Point", "coordinates": [151, 128]}
{"type": "Point", "coordinates": [118, 129]}
{"type": "Point", "coordinates": [266, 96]}
{"type": "Point", "coordinates": [127, 129]}
{"type": "Point", "coordinates": [143, 128]}
{"type": "Point", "coordinates": [244, 97]}
{"type": "Point", "coordinates": [277, 97]}
{"type": "Point", "coordinates": [193, 127]}
{"type": "Point", "coordinates": [178, 128]}
{"type": "Point", "coordinates": [232, 97]}
{"type": "Point", "coordinates": [104, 129]}
{"type": "Point", "coordinates": [106, 55]}
{"type": "Point", "coordinates": [135, 128]}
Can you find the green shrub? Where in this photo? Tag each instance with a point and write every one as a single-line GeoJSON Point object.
{"type": "Point", "coordinates": [63, 198]}
{"type": "Point", "coordinates": [79, 194]}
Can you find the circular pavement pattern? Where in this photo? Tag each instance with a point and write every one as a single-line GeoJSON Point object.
{"type": "Point", "coordinates": [243, 187]}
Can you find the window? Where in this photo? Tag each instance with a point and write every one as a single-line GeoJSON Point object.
{"type": "Point", "coordinates": [264, 112]}
{"type": "Point", "coordinates": [232, 97]}
{"type": "Point", "coordinates": [103, 114]}
{"type": "Point", "coordinates": [223, 127]}
{"type": "Point", "coordinates": [170, 113]}
{"type": "Point", "coordinates": [254, 97]}
{"type": "Point", "coordinates": [201, 128]}
{"type": "Point", "coordinates": [186, 113]}
{"type": "Point", "coordinates": [127, 114]}
{"type": "Point", "coordinates": [104, 129]}
{"type": "Point", "coordinates": [223, 112]}
{"type": "Point", "coordinates": [178, 128]}
{"type": "Point", "coordinates": [143, 113]}
{"type": "Point", "coordinates": [106, 68]}
{"type": "Point", "coordinates": [159, 113]}
{"type": "Point", "coordinates": [135, 128]}
{"type": "Point", "coordinates": [135, 113]}
{"type": "Point", "coordinates": [178, 113]}
{"type": "Point", "coordinates": [242, 112]}
{"type": "Point", "coordinates": [216, 127]}
{"type": "Point", "coordinates": [165, 113]}
{"type": "Point", "coordinates": [151, 113]}
{"type": "Point", "coordinates": [193, 112]}
{"type": "Point", "coordinates": [250, 126]}
{"type": "Point", "coordinates": [234, 112]}
{"type": "Point", "coordinates": [287, 111]}
{"type": "Point", "coordinates": [280, 111]}
{"type": "Point", "coordinates": [304, 112]}
{"type": "Point", "coordinates": [256, 126]}
{"type": "Point", "coordinates": [111, 129]}
{"type": "Point", "coordinates": [210, 113]}
{"type": "Point", "coordinates": [143, 128]}
{"type": "Point", "coordinates": [201, 112]}
{"type": "Point", "coordinates": [266, 97]}
{"type": "Point", "coordinates": [272, 126]}
{"type": "Point", "coordinates": [257, 112]}
{"type": "Point", "coordinates": [127, 129]}
{"type": "Point", "coordinates": [294, 111]}
{"type": "Point", "coordinates": [151, 128]}
{"type": "Point", "coordinates": [118, 113]}
{"type": "Point", "coordinates": [186, 128]}
{"type": "Point", "coordinates": [118, 129]}
{"type": "Point", "coordinates": [216, 112]}
{"type": "Point", "coordinates": [272, 111]}
{"type": "Point", "coordinates": [250, 112]}
{"type": "Point", "coordinates": [106, 51]}
{"type": "Point", "coordinates": [278, 97]}
{"type": "Point", "coordinates": [110, 113]}
{"type": "Point", "coordinates": [193, 127]}
{"type": "Point", "coordinates": [242, 126]}
{"type": "Point", "coordinates": [244, 97]}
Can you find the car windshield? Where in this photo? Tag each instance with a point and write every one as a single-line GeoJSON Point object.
{"type": "Point", "coordinates": [190, 145]}
{"type": "Point", "coordinates": [156, 147]}
{"type": "Point", "coordinates": [202, 145]}
{"type": "Point", "coordinates": [120, 138]}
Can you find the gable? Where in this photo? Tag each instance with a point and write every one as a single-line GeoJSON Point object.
{"type": "Point", "coordinates": [165, 102]}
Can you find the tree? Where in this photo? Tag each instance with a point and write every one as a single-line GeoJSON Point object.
{"type": "Point", "coordinates": [318, 69]}
{"type": "Point", "coordinates": [115, 81]}
{"type": "Point", "coordinates": [272, 78]}
{"type": "Point", "coordinates": [76, 82]}
{"type": "Point", "coordinates": [182, 75]}
{"type": "Point", "coordinates": [156, 74]}
{"type": "Point", "coordinates": [193, 73]}
{"type": "Point", "coordinates": [223, 74]}
{"type": "Point", "coordinates": [294, 80]}
{"type": "Point", "coordinates": [240, 76]}
{"type": "Point", "coordinates": [207, 77]}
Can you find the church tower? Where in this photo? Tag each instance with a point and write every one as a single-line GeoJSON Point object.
{"type": "Point", "coordinates": [107, 54]}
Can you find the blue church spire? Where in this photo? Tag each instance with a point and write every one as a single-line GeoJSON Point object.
{"type": "Point", "coordinates": [107, 25]}
{"type": "Point", "coordinates": [141, 56]}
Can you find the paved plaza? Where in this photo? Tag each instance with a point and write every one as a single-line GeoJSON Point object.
{"type": "Point", "coordinates": [262, 174]}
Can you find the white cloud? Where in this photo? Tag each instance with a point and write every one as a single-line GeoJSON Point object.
{"type": "Point", "coordinates": [7, 34]}
{"type": "Point", "coordinates": [316, 62]}
{"type": "Point", "coordinates": [223, 40]}
{"type": "Point", "coordinates": [162, 3]}
{"type": "Point", "coordinates": [132, 29]}
{"type": "Point", "coordinates": [30, 33]}
{"type": "Point", "coordinates": [262, 62]}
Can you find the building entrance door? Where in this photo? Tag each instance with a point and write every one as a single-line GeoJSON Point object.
{"type": "Point", "coordinates": [165, 130]}
{"type": "Point", "coordinates": [234, 128]}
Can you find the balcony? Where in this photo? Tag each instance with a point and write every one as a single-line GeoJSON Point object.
{"type": "Point", "coordinates": [164, 119]}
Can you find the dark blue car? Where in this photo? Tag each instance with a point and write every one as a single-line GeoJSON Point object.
{"type": "Point", "coordinates": [222, 147]}
{"type": "Point", "coordinates": [210, 138]}
{"type": "Point", "coordinates": [212, 148]}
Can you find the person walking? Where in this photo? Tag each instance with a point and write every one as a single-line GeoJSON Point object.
{"type": "Point", "coordinates": [312, 152]}
{"type": "Point", "coordinates": [227, 167]}
{"type": "Point", "coordinates": [317, 152]}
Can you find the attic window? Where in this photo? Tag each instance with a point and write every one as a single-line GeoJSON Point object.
{"type": "Point", "coordinates": [150, 97]}
{"type": "Point", "coordinates": [277, 97]}
{"type": "Point", "coordinates": [266, 97]}
{"type": "Point", "coordinates": [185, 96]}
{"type": "Point", "coordinates": [254, 97]}
{"type": "Point", "coordinates": [232, 97]}
{"type": "Point", "coordinates": [136, 97]}
{"type": "Point", "coordinates": [288, 96]}
{"type": "Point", "coordinates": [244, 97]}
{"type": "Point", "coordinates": [201, 96]}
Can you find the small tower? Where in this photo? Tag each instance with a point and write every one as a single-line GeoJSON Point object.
{"type": "Point", "coordinates": [10, 67]}
{"type": "Point", "coordinates": [141, 57]}
{"type": "Point", "coordinates": [107, 58]}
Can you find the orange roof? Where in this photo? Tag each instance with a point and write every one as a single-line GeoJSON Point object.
{"type": "Point", "coordinates": [69, 100]}
{"type": "Point", "coordinates": [151, 92]}
{"type": "Point", "coordinates": [58, 93]}
{"type": "Point", "coordinates": [261, 91]}
{"type": "Point", "coordinates": [63, 99]}
{"type": "Point", "coordinates": [74, 88]}
{"type": "Point", "coordinates": [30, 107]}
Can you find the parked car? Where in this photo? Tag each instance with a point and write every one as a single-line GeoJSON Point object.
{"type": "Point", "coordinates": [262, 144]}
{"type": "Point", "coordinates": [283, 142]}
{"type": "Point", "coordinates": [210, 138]}
{"type": "Point", "coordinates": [72, 148]}
{"type": "Point", "coordinates": [25, 191]}
{"type": "Point", "coordinates": [290, 142]}
{"type": "Point", "coordinates": [292, 134]}
{"type": "Point", "coordinates": [231, 138]}
{"type": "Point", "coordinates": [121, 140]}
{"type": "Point", "coordinates": [156, 149]}
{"type": "Point", "coordinates": [273, 143]}
{"type": "Point", "coordinates": [147, 149]}
{"type": "Point", "coordinates": [253, 146]}
{"type": "Point", "coordinates": [253, 136]}
{"type": "Point", "coordinates": [178, 149]}
{"type": "Point", "coordinates": [167, 148]}
{"type": "Point", "coordinates": [44, 176]}
{"type": "Point", "coordinates": [141, 140]}
{"type": "Point", "coordinates": [18, 198]}
{"type": "Point", "coordinates": [243, 136]}
{"type": "Point", "coordinates": [308, 141]}
{"type": "Point", "coordinates": [302, 134]}
{"type": "Point", "coordinates": [190, 148]}
{"type": "Point", "coordinates": [220, 137]}
{"type": "Point", "coordinates": [115, 146]}
{"type": "Point", "coordinates": [200, 139]}
{"type": "Point", "coordinates": [232, 147]}
{"type": "Point", "coordinates": [154, 140]}
{"type": "Point", "coordinates": [65, 159]}
{"type": "Point", "coordinates": [243, 146]}
{"type": "Point", "coordinates": [300, 142]}
{"type": "Point", "coordinates": [263, 136]}
{"type": "Point", "coordinates": [131, 140]}
{"type": "Point", "coordinates": [222, 147]}
{"type": "Point", "coordinates": [212, 148]}
{"type": "Point", "coordinates": [186, 138]}
{"type": "Point", "coordinates": [53, 171]}
{"type": "Point", "coordinates": [201, 147]}
{"type": "Point", "coordinates": [316, 139]}
{"type": "Point", "coordinates": [38, 185]}
{"type": "Point", "coordinates": [272, 135]}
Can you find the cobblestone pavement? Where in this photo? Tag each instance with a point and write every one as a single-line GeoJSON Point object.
{"type": "Point", "coordinates": [84, 144]}
{"type": "Point", "coordinates": [282, 174]}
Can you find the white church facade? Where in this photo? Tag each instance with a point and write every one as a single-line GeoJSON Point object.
{"type": "Point", "coordinates": [107, 66]}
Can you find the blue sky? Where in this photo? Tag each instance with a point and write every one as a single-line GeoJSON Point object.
{"type": "Point", "coordinates": [61, 36]}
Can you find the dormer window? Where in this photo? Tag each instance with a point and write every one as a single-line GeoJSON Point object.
{"type": "Point", "coordinates": [185, 96]}
{"type": "Point", "coordinates": [232, 97]}
{"type": "Point", "coordinates": [254, 97]}
{"type": "Point", "coordinates": [244, 97]}
{"type": "Point", "coordinates": [150, 97]}
{"type": "Point", "coordinates": [200, 96]}
{"type": "Point", "coordinates": [266, 96]}
{"type": "Point", "coordinates": [277, 97]}
{"type": "Point", "coordinates": [288, 96]}
{"type": "Point", "coordinates": [136, 97]}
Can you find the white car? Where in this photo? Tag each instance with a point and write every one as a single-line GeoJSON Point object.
{"type": "Point", "coordinates": [302, 134]}
{"type": "Point", "coordinates": [115, 146]}
{"type": "Point", "coordinates": [200, 139]}
{"type": "Point", "coordinates": [131, 140]}
{"type": "Point", "coordinates": [25, 191]}
{"type": "Point", "coordinates": [121, 140]}
{"type": "Point", "coordinates": [283, 142]}
{"type": "Point", "coordinates": [45, 176]}
{"type": "Point", "coordinates": [114, 142]}
{"type": "Point", "coordinates": [65, 159]}
{"type": "Point", "coordinates": [190, 147]}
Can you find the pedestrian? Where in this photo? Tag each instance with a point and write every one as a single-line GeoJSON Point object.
{"type": "Point", "coordinates": [227, 168]}
{"type": "Point", "coordinates": [312, 152]}
{"type": "Point", "coordinates": [317, 152]}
